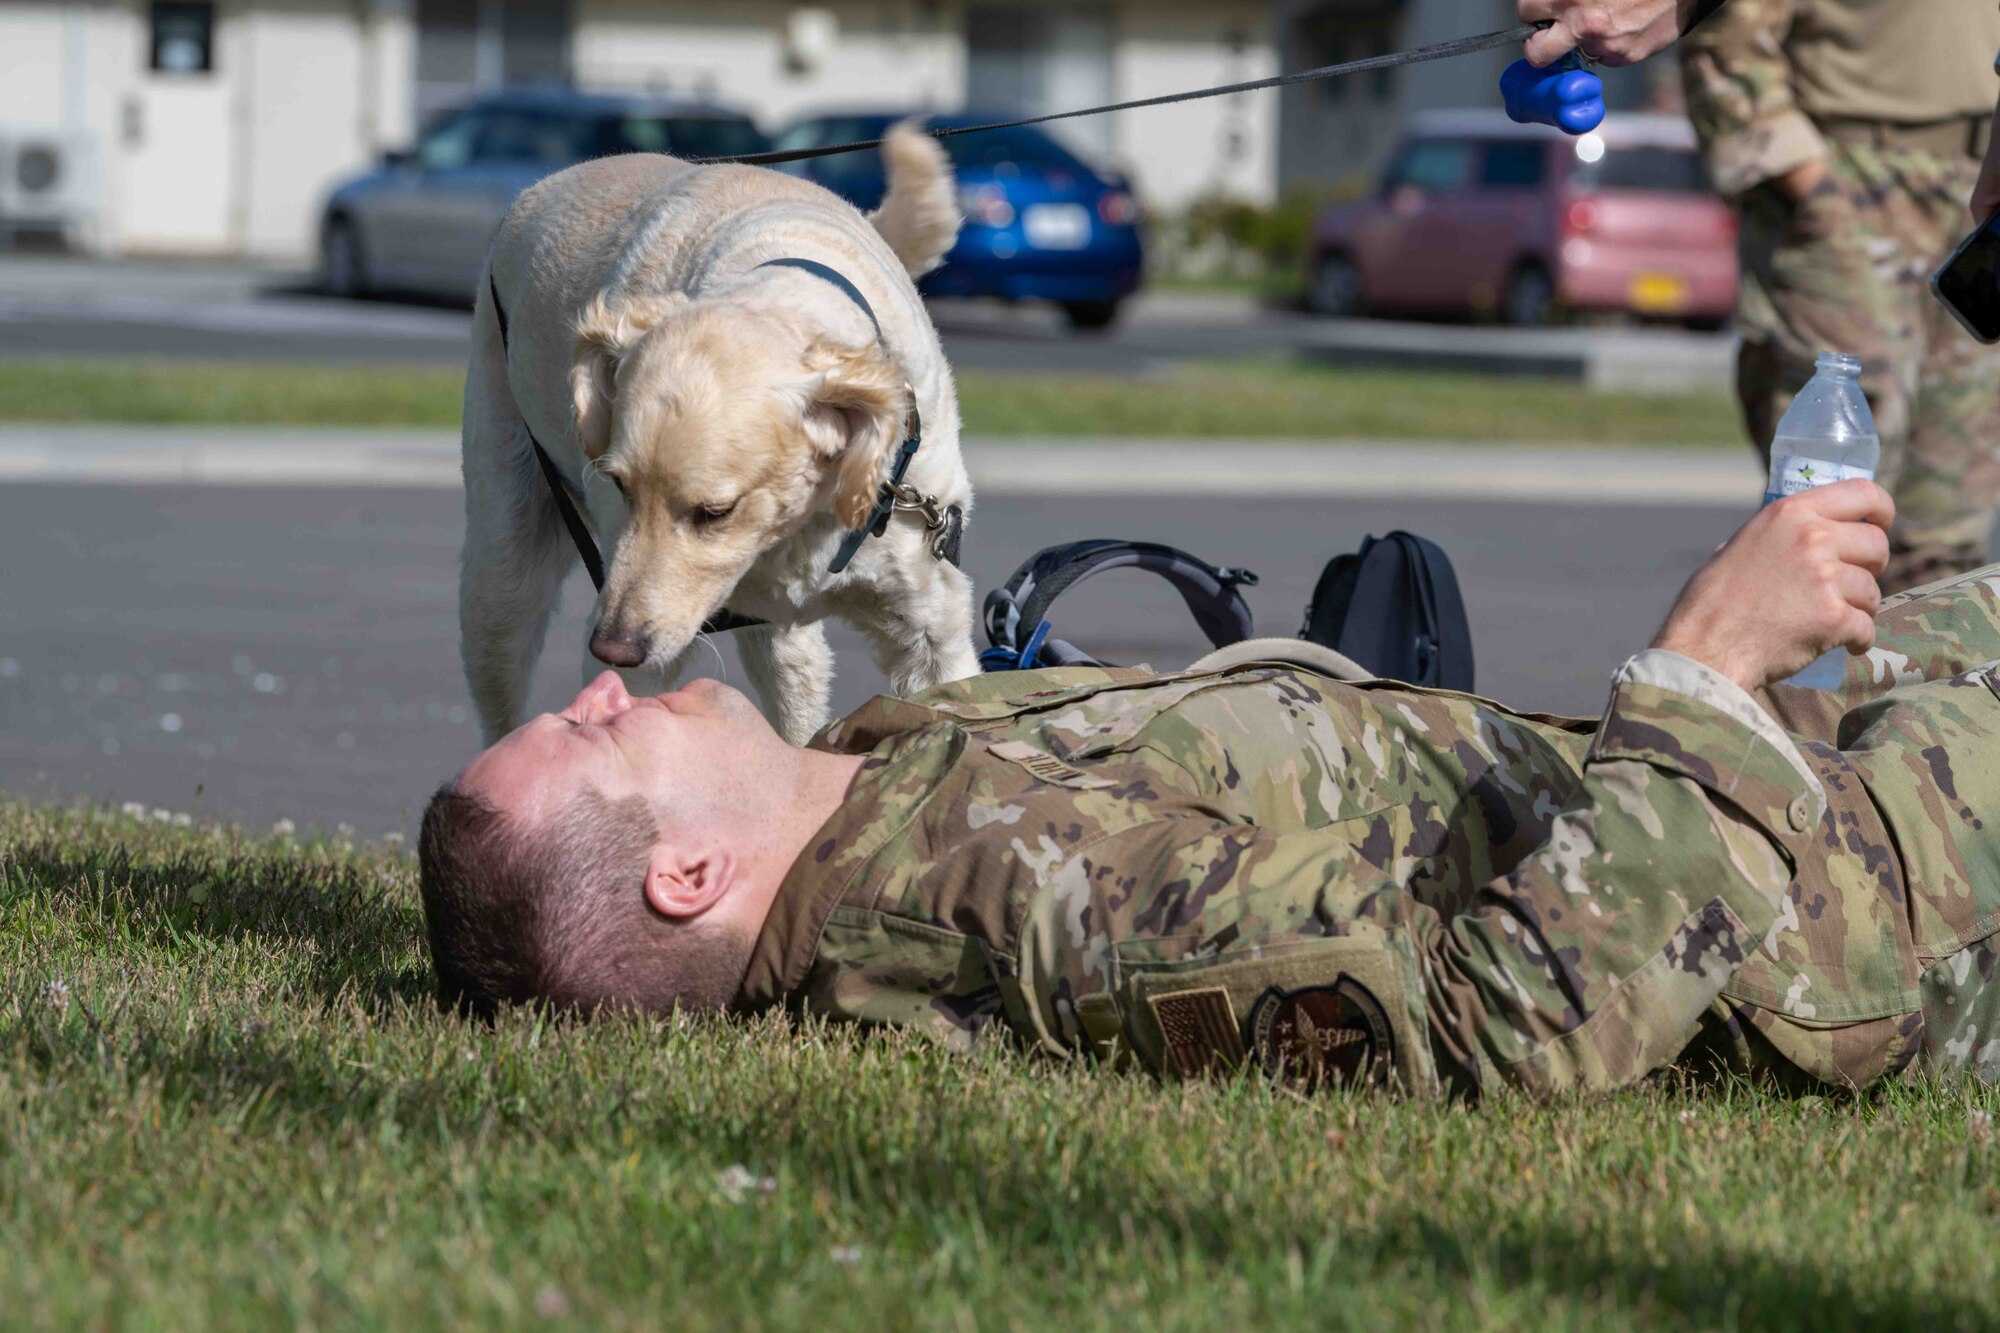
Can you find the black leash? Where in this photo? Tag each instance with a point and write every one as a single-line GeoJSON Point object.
{"type": "Point", "coordinates": [944, 523]}
{"type": "Point", "coordinates": [1457, 46]}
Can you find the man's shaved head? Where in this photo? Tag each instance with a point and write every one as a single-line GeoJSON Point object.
{"type": "Point", "coordinates": [622, 853]}
{"type": "Point", "coordinates": [559, 913]}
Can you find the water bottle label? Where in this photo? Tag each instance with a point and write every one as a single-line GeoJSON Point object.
{"type": "Point", "coordinates": [1799, 473]}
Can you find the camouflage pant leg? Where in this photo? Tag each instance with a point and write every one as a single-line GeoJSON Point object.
{"type": "Point", "coordinates": [1929, 633]}
{"type": "Point", "coordinates": [1930, 755]}
{"type": "Point", "coordinates": [1849, 271]}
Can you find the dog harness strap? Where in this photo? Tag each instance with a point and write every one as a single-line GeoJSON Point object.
{"type": "Point", "coordinates": [838, 279]}
{"type": "Point", "coordinates": [593, 561]}
{"type": "Point", "coordinates": [951, 524]}
{"type": "Point", "coordinates": [586, 546]}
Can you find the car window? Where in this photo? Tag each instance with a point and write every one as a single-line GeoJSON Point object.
{"type": "Point", "coordinates": [690, 136]}
{"type": "Point", "coordinates": [858, 176]}
{"type": "Point", "coordinates": [448, 144]}
{"type": "Point", "coordinates": [1640, 168]}
{"type": "Point", "coordinates": [538, 137]}
{"type": "Point", "coordinates": [810, 134]}
{"type": "Point", "coordinates": [1435, 165]}
{"type": "Point", "coordinates": [1521, 164]}
{"type": "Point", "coordinates": [1017, 148]}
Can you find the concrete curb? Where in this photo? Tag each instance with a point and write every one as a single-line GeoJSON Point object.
{"type": "Point", "coordinates": [211, 456]}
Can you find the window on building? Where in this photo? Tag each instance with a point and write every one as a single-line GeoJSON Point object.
{"type": "Point", "coordinates": [472, 46]}
{"type": "Point", "coordinates": [1433, 166]}
{"type": "Point", "coordinates": [1514, 166]}
{"type": "Point", "coordinates": [183, 37]}
{"type": "Point", "coordinates": [1026, 56]}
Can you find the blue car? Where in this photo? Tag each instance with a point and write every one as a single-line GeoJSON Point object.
{"type": "Point", "coordinates": [1040, 225]}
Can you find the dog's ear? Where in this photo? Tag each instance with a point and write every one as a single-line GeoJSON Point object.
{"type": "Point", "coordinates": [604, 334]}
{"type": "Point", "coordinates": [855, 411]}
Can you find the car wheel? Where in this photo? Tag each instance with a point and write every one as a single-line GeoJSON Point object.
{"type": "Point", "coordinates": [1336, 287]}
{"type": "Point", "coordinates": [1091, 316]}
{"type": "Point", "coordinates": [1530, 298]}
{"type": "Point", "coordinates": [342, 269]}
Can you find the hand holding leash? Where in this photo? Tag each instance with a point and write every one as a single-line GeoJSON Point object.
{"type": "Point", "coordinates": [1614, 32]}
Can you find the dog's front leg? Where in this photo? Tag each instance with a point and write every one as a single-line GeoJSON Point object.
{"type": "Point", "coordinates": [791, 667]}
{"type": "Point", "coordinates": [924, 638]}
{"type": "Point", "coordinates": [510, 571]}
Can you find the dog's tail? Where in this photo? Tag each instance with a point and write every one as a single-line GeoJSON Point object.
{"type": "Point", "coordinates": [919, 218]}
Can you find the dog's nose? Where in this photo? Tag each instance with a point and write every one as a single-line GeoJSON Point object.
{"type": "Point", "coordinates": [619, 650]}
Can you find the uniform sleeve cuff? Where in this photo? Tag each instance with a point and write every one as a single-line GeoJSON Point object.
{"type": "Point", "coordinates": [1763, 151]}
{"type": "Point", "coordinates": [1678, 714]}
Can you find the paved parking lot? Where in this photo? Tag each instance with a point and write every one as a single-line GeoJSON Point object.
{"type": "Point", "coordinates": [213, 311]}
{"type": "Point", "coordinates": [67, 307]}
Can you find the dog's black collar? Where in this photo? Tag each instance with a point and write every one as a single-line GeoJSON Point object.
{"type": "Point", "coordinates": [945, 523]}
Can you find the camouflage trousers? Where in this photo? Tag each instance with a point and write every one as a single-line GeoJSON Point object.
{"type": "Point", "coordinates": [1849, 270]}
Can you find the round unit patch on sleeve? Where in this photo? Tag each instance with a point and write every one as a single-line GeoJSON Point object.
{"type": "Point", "coordinates": [1322, 1036]}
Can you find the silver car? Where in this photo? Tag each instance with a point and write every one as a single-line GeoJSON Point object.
{"type": "Point", "coordinates": [421, 222]}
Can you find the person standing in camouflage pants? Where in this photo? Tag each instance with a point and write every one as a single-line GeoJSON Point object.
{"type": "Point", "coordinates": [1849, 133]}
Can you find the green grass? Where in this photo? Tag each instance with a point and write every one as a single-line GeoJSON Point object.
{"type": "Point", "coordinates": [1206, 399]}
{"type": "Point", "coordinates": [225, 1102]}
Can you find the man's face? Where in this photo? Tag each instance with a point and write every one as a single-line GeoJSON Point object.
{"type": "Point", "coordinates": [704, 741]}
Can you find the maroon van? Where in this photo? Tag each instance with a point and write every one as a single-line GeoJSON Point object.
{"type": "Point", "coordinates": [1476, 214]}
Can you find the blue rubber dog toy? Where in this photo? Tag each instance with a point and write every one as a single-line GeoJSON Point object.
{"type": "Point", "coordinates": [1566, 95]}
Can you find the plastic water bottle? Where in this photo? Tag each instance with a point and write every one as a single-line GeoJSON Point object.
{"type": "Point", "coordinates": [1827, 435]}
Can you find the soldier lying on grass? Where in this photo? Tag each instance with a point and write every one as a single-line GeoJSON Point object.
{"type": "Point", "coordinates": [1330, 882]}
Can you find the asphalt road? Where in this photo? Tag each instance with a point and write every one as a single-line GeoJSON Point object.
{"type": "Point", "coordinates": [254, 654]}
{"type": "Point", "coordinates": [63, 307]}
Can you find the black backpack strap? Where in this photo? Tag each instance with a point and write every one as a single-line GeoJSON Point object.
{"type": "Point", "coordinates": [1017, 623]}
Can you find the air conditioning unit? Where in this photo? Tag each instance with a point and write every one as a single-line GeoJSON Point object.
{"type": "Point", "coordinates": [49, 180]}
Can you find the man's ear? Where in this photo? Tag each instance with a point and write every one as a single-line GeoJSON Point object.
{"type": "Point", "coordinates": [855, 411]}
{"type": "Point", "coordinates": [681, 887]}
{"type": "Point", "coordinates": [604, 334]}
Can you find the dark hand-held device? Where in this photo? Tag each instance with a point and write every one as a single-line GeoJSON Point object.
{"type": "Point", "coordinates": [1968, 283]}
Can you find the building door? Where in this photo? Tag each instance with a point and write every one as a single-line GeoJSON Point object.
{"type": "Point", "coordinates": [179, 134]}
{"type": "Point", "coordinates": [1037, 58]}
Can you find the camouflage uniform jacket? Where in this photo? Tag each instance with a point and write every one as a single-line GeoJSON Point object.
{"type": "Point", "coordinates": [1333, 882]}
{"type": "Point", "coordinates": [1764, 77]}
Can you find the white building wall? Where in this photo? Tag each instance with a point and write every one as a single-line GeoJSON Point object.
{"type": "Point", "coordinates": [306, 90]}
{"type": "Point", "coordinates": [32, 65]}
{"type": "Point", "coordinates": [1217, 146]}
{"type": "Point", "coordinates": [389, 76]}
{"type": "Point", "coordinates": [736, 53]}
{"type": "Point", "coordinates": [300, 89]}
{"type": "Point", "coordinates": [231, 162]}
{"type": "Point", "coordinates": [890, 55]}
